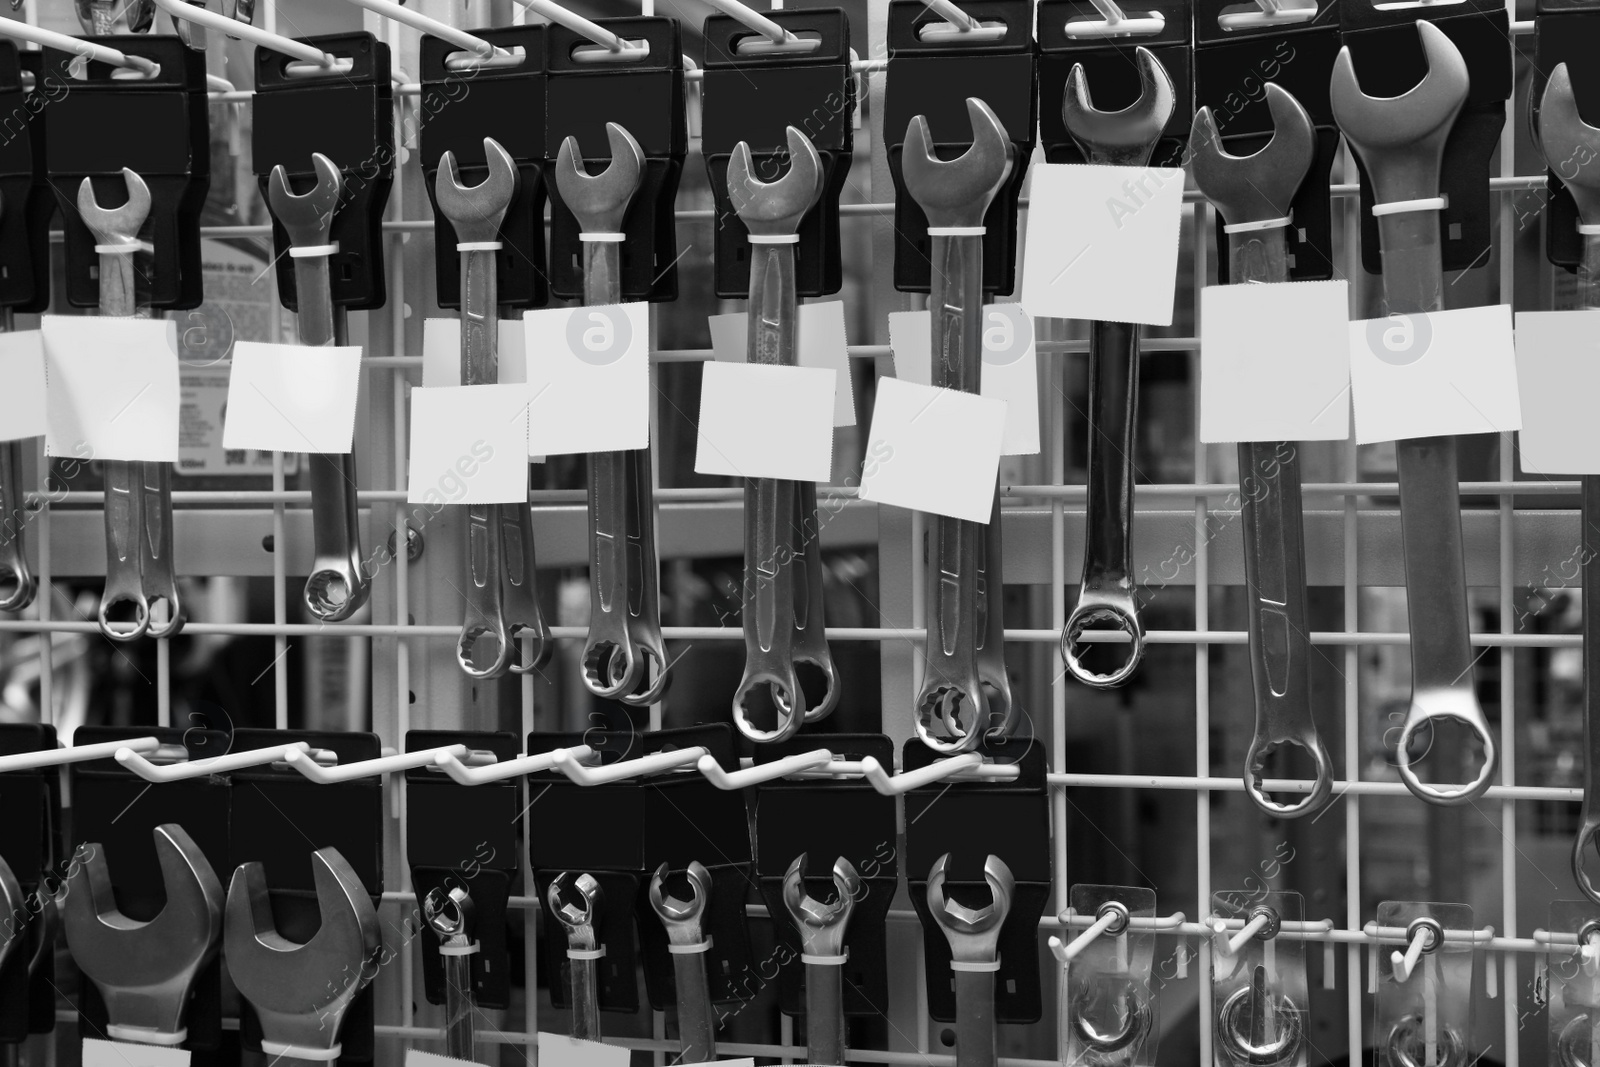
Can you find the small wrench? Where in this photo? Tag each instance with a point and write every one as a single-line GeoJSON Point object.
{"type": "Point", "coordinates": [772, 212]}
{"type": "Point", "coordinates": [974, 937]}
{"type": "Point", "coordinates": [522, 591]}
{"type": "Point", "coordinates": [1250, 191]}
{"type": "Point", "coordinates": [449, 915]}
{"type": "Point", "coordinates": [475, 214]}
{"type": "Point", "coordinates": [338, 585]}
{"type": "Point", "coordinates": [810, 632]}
{"type": "Point", "coordinates": [822, 929]}
{"type": "Point", "coordinates": [644, 592]}
{"type": "Point", "coordinates": [953, 710]}
{"type": "Point", "coordinates": [1123, 138]}
{"type": "Point", "coordinates": [583, 949]}
{"type": "Point", "coordinates": [15, 574]}
{"type": "Point", "coordinates": [686, 941]}
{"type": "Point", "coordinates": [1401, 141]}
{"type": "Point", "coordinates": [991, 630]}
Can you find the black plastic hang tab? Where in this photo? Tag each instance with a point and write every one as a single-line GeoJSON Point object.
{"type": "Point", "coordinates": [754, 95]}
{"type": "Point", "coordinates": [278, 818]}
{"type": "Point", "coordinates": [465, 836]}
{"type": "Point", "coordinates": [971, 821]}
{"type": "Point", "coordinates": [102, 120]}
{"type": "Point", "coordinates": [348, 116]}
{"type": "Point", "coordinates": [933, 76]}
{"type": "Point", "coordinates": [1234, 60]}
{"type": "Point", "coordinates": [462, 103]}
{"type": "Point", "coordinates": [117, 810]}
{"type": "Point", "coordinates": [644, 94]}
{"type": "Point", "coordinates": [1388, 59]}
{"type": "Point", "coordinates": [827, 819]}
{"type": "Point", "coordinates": [32, 803]}
{"type": "Point", "coordinates": [26, 204]}
{"type": "Point", "coordinates": [1565, 31]}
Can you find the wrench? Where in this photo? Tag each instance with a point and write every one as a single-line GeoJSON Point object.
{"type": "Point", "coordinates": [583, 949]}
{"type": "Point", "coordinates": [644, 593]}
{"type": "Point", "coordinates": [449, 915]}
{"type": "Point", "coordinates": [338, 585]}
{"type": "Point", "coordinates": [772, 212]}
{"type": "Point", "coordinates": [822, 931]}
{"type": "Point", "coordinates": [301, 993]}
{"type": "Point", "coordinates": [145, 971]}
{"type": "Point", "coordinates": [955, 195]}
{"type": "Point", "coordinates": [1250, 191]}
{"type": "Point", "coordinates": [476, 214]}
{"type": "Point", "coordinates": [991, 630]}
{"type": "Point", "coordinates": [810, 632]}
{"type": "Point", "coordinates": [15, 574]}
{"type": "Point", "coordinates": [974, 937]}
{"type": "Point", "coordinates": [686, 941]}
{"type": "Point", "coordinates": [1123, 138]}
{"type": "Point", "coordinates": [1401, 142]}
{"type": "Point", "coordinates": [522, 590]}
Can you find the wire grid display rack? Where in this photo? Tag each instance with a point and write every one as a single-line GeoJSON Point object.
{"type": "Point", "coordinates": [1353, 544]}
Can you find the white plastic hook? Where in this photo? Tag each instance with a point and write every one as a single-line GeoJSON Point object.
{"type": "Point", "coordinates": [655, 763]}
{"type": "Point", "coordinates": [1422, 937]}
{"type": "Point", "coordinates": [418, 21]}
{"type": "Point", "coordinates": [1113, 915]}
{"type": "Point", "coordinates": [231, 761]}
{"type": "Point", "coordinates": [1113, 22]}
{"type": "Point", "coordinates": [580, 25]}
{"type": "Point", "coordinates": [214, 20]}
{"type": "Point", "coordinates": [400, 761]}
{"type": "Point", "coordinates": [58, 757]}
{"type": "Point", "coordinates": [498, 772]}
{"type": "Point", "coordinates": [968, 766]}
{"type": "Point", "coordinates": [99, 53]}
{"type": "Point", "coordinates": [761, 772]}
{"type": "Point", "coordinates": [754, 19]}
{"type": "Point", "coordinates": [1267, 13]}
{"type": "Point", "coordinates": [1230, 946]}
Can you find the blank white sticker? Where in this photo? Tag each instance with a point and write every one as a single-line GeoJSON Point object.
{"type": "Point", "coordinates": [820, 342]}
{"type": "Point", "coordinates": [97, 1053]}
{"type": "Point", "coordinates": [759, 421]}
{"type": "Point", "coordinates": [112, 388]}
{"type": "Point", "coordinates": [22, 369]}
{"type": "Point", "coordinates": [1102, 243]}
{"type": "Point", "coordinates": [441, 352]}
{"type": "Point", "coordinates": [1010, 366]}
{"type": "Point", "coordinates": [1424, 375]}
{"type": "Point", "coordinates": [468, 445]}
{"type": "Point", "coordinates": [559, 1050]}
{"type": "Point", "coordinates": [418, 1058]}
{"type": "Point", "coordinates": [1275, 362]}
{"type": "Point", "coordinates": [934, 450]}
{"type": "Point", "coordinates": [291, 398]}
{"type": "Point", "coordinates": [588, 379]}
{"type": "Point", "coordinates": [1558, 372]}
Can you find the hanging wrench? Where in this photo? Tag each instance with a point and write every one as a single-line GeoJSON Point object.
{"type": "Point", "coordinates": [822, 929]}
{"type": "Point", "coordinates": [810, 632]}
{"type": "Point", "coordinates": [1253, 194]}
{"type": "Point", "coordinates": [1123, 138]}
{"type": "Point", "coordinates": [476, 214]}
{"type": "Point", "coordinates": [583, 949]}
{"type": "Point", "coordinates": [522, 591]}
{"type": "Point", "coordinates": [14, 572]}
{"type": "Point", "coordinates": [688, 944]}
{"type": "Point", "coordinates": [772, 212]}
{"type": "Point", "coordinates": [338, 585]}
{"type": "Point", "coordinates": [953, 710]}
{"type": "Point", "coordinates": [991, 630]}
{"type": "Point", "coordinates": [1401, 142]}
{"type": "Point", "coordinates": [449, 915]}
{"type": "Point", "coordinates": [644, 592]}
{"type": "Point", "coordinates": [974, 937]}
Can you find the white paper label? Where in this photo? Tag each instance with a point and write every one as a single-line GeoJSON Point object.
{"type": "Point", "coordinates": [1010, 366]}
{"type": "Point", "coordinates": [559, 1050]}
{"type": "Point", "coordinates": [205, 404]}
{"type": "Point", "coordinates": [1558, 373]}
{"type": "Point", "coordinates": [112, 388]}
{"type": "Point", "coordinates": [97, 1053]}
{"type": "Point", "coordinates": [934, 450]}
{"type": "Point", "coordinates": [290, 398]}
{"type": "Point", "coordinates": [820, 342]}
{"type": "Point", "coordinates": [588, 379]}
{"type": "Point", "coordinates": [468, 445]}
{"type": "Point", "coordinates": [22, 369]}
{"type": "Point", "coordinates": [441, 352]}
{"type": "Point", "coordinates": [760, 421]}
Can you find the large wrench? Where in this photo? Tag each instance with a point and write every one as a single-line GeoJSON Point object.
{"type": "Point", "coordinates": [1253, 194]}
{"type": "Point", "coordinates": [476, 213]}
{"type": "Point", "coordinates": [697, 1028]}
{"type": "Point", "coordinates": [953, 710]}
{"type": "Point", "coordinates": [822, 929]}
{"type": "Point", "coordinates": [772, 212]}
{"type": "Point", "coordinates": [1123, 138]}
{"type": "Point", "coordinates": [15, 574]}
{"type": "Point", "coordinates": [583, 949]}
{"type": "Point", "coordinates": [810, 631]}
{"type": "Point", "coordinates": [338, 585]}
{"type": "Point", "coordinates": [1401, 142]}
{"type": "Point", "coordinates": [522, 611]}
{"type": "Point", "coordinates": [974, 936]}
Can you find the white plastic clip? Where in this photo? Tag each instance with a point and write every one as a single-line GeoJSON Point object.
{"type": "Point", "coordinates": [1113, 22]}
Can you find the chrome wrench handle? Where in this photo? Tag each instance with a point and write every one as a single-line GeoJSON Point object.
{"type": "Point", "coordinates": [583, 948]}
{"type": "Point", "coordinates": [15, 574]}
{"type": "Point", "coordinates": [991, 629]}
{"type": "Point", "coordinates": [523, 614]}
{"type": "Point", "coordinates": [155, 565]}
{"type": "Point", "coordinates": [686, 941]}
{"type": "Point", "coordinates": [810, 633]}
{"type": "Point", "coordinates": [822, 929]}
{"type": "Point", "coordinates": [644, 591]}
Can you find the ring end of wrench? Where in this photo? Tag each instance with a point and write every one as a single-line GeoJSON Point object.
{"type": "Point", "coordinates": [790, 713]}
{"type": "Point", "coordinates": [1087, 616]}
{"type": "Point", "coordinates": [467, 644]}
{"type": "Point", "coordinates": [942, 702]}
{"type": "Point", "coordinates": [1462, 707]}
{"type": "Point", "coordinates": [23, 584]}
{"type": "Point", "coordinates": [1310, 803]}
{"type": "Point", "coordinates": [119, 631]}
{"type": "Point", "coordinates": [334, 594]}
{"type": "Point", "coordinates": [601, 674]}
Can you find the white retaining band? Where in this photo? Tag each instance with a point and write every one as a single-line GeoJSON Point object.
{"type": "Point", "coordinates": [124, 250]}
{"type": "Point", "coordinates": [586, 953]}
{"type": "Point", "coordinates": [989, 966]}
{"type": "Point", "coordinates": [1400, 207]}
{"type": "Point", "coordinates": [458, 950]}
{"type": "Point", "coordinates": [690, 950]}
{"type": "Point", "coordinates": [314, 251]}
{"type": "Point", "coordinates": [1589, 229]}
{"type": "Point", "coordinates": [300, 1052]}
{"type": "Point", "coordinates": [602, 238]}
{"type": "Point", "coordinates": [143, 1035]}
{"type": "Point", "coordinates": [823, 961]}
{"type": "Point", "coordinates": [1260, 224]}
{"type": "Point", "coordinates": [956, 231]}
{"type": "Point", "coordinates": [478, 246]}
{"type": "Point", "coordinates": [774, 238]}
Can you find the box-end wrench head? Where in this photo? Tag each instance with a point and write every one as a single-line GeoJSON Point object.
{"type": "Point", "coordinates": [300, 993]}
{"type": "Point", "coordinates": [145, 971]}
{"type": "Point", "coordinates": [580, 922]}
{"type": "Point", "coordinates": [688, 944]}
{"type": "Point", "coordinates": [974, 938]}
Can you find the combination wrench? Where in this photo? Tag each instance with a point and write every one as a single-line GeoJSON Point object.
{"type": "Point", "coordinates": [955, 708]}
{"type": "Point", "coordinates": [1400, 140]}
{"type": "Point", "coordinates": [772, 212]}
{"type": "Point", "coordinates": [338, 585]}
{"type": "Point", "coordinates": [1123, 138]}
{"type": "Point", "coordinates": [688, 944]}
{"type": "Point", "coordinates": [974, 936]}
{"type": "Point", "coordinates": [1253, 194]}
{"type": "Point", "coordinates": [584, 950]}
{"type": "Point", "coordinates": [15, 575]}
{"type": "Point", "coordinates": [822, 928]}
{"type": "Point", "coordinates": [624, 596]}
{"type": "Point", "coordinates": [449, 914]}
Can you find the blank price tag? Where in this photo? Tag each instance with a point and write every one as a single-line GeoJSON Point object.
{"type": "Point", "coordinates": [559, 1050]}
{"type": "Point", "coordinates": [441, 352]}
{"type": "Point", "coordinates": [1102, 243]}
{"type": "Point", "coordinates": [113, 388]}
{"type": "Point", "coordinates": [934, 450]}
{"type": "Point", "coordinates": [1010, 366]}
{"type": "Point", "coordinates": [291, 398]}
{"type": "Point", "coordinates": [1425, 375]}
{"type": "Point", "coordinates": [22, 369]}
{"type": "Point", "coordinates": [820, 342]}
{"type": "Point", "coordinates": [588, 379]}
{"type": "Point", "coordinates": [758, 421]}
{"type": "Point", "coordinates": [1558, 372]}
{"type": "Point", "coordinates": [1275, 362]}
{"type": "Point", "coordinates": [468, 445]}
{"type": "Point", "coordinates": [97, 1053]}
{"type": "Point", "coordinates": [418, 1058]}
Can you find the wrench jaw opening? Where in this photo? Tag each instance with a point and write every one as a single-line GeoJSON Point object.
{"type": "Point", "coordinates": [1429, 707]}
{"type": "Point", "coordinates": [974, 938]}
{"type": "Point", "coordinates": [1123, 138]}
{"type": "Point", "coordinates": [822, 927]}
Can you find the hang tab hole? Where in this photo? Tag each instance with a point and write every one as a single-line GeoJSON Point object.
{"type": "Point", "coordinates": [123, 74]}
{"type": "Point", "coordinates": [1455, 231]}
{"type": "Point", "coordinates": [1147, 25]}
{"type": "Point", "coordinates": [465, 60]}
{"type": "Point", "coordinates": [634, 50]}
{"type": "Point", "coordinates": [949, 33]}
{"type": "Point", "coordinates": [756, 44]}
{"type": "Point", "coordinates": [1266, 13]}
{"type": "Point", "coordinates": [1011, 987]}
{"type": "Point", "coordinates": [301, 69]}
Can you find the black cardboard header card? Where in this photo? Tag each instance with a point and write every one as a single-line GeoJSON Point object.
{"type": "Point", "coordinates": [645, 96]}
{"type": "Point", "coordinates": [934, 78]}
{"type": "Point", "coordinates": [754, 96]}
{"type": "Point", "coordinates": [348, 117]}
{"type": "Point", "coordinates": [25, 201]}
{"type": "Point", "coordinates": [31, 801]}
{"type": "Point", "coordinates": [460, 107]}
{"type": "Point", "coordinates": [1565, 31]}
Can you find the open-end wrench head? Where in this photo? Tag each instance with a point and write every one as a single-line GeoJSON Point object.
{"type": "Point", "coordinates": [1401, 139]}
{"type": "Point", "coordinates": [776, 207]}
{"type": "Point", "coordinates": [682, 918]}
{"type": "Point", "coordinates": [307, 217]}
{"type": "Point", "coordinates": [600, 201]}
{"type": "Point", "coordinates": [449, 913]}
{"type": "Point", "coordinates": [578, 920]}
{"type": "Point", "coordinates": [475, 212]}
{"type": "Point", "coordinates": [957, 192]}
{"type": "Point", "coordinates": [1571, 146]}
{"type": "Point", "coordinates": [809, 911]}
{"type": "Point", "coordinates": [115, 225]}
{"type": "Point", "coordinates": [1123, 138]}
{"type": "Point", "coordinates": [1258, 187]}
{"type": "Point", "coordinates": [973, 933]}
{"type": "Point", "coordinates": [145, 970]}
